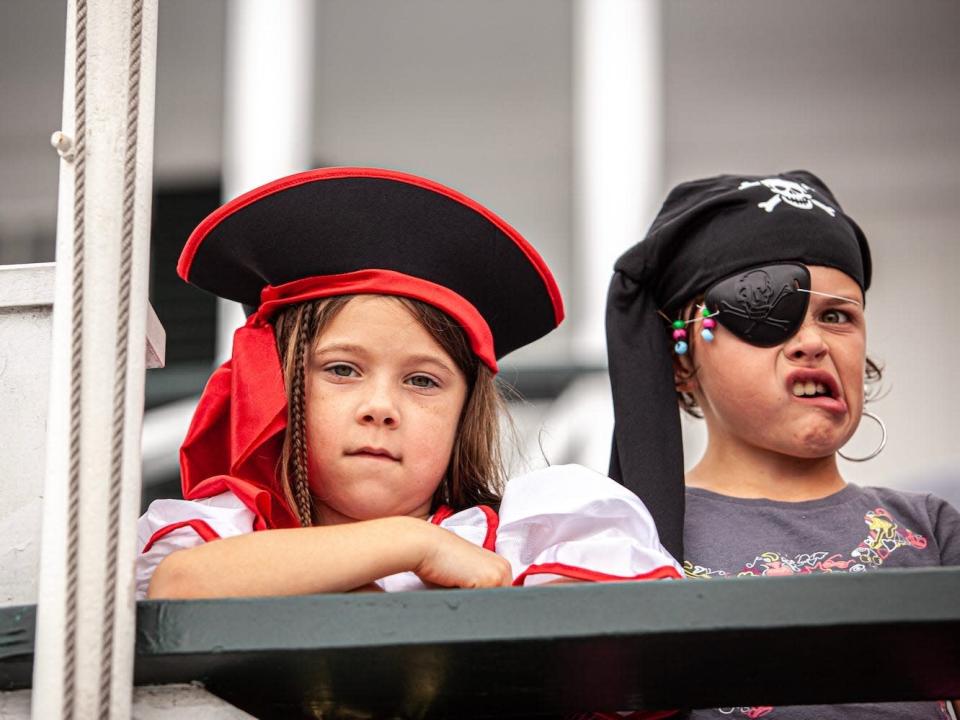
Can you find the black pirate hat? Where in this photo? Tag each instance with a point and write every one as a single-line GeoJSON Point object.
{"type": "Point", "coordinates": [342, 231]}
{"type": "Point", "coordinates": [708, 232]}
{"type": "Point", "coordinates": [348, 230]}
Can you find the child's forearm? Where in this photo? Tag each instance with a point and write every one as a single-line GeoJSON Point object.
{"type": "Point", "coordinates": [294, 562]}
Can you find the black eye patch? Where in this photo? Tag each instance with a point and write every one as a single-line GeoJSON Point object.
{"type": "Point", "coordinates": [763, 306]}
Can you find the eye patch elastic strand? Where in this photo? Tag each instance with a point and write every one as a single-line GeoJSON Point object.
{"type": "Point", "coordinates": [831, 295]}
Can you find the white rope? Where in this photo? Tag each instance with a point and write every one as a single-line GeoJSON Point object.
{"type": "Point", "coordinates": [69, 698]}
{"type": "Point", "coordinates": [120, 372]}
{"type": "Point", "coordinates": [76, 363]}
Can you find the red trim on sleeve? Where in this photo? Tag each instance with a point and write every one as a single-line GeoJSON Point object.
{"type": "Point", "coordinates": [442, 513]}
{"type": "Point", "coordinates": [200, 527]}
{"type": "Point", "coordinates": [385, 282]}
{"type": "Point", "coordinates": [493, 523]}
{"type": "Point", "coordinates": [579, 573]}
{"type": "Point", "coordinates": [212, 220]}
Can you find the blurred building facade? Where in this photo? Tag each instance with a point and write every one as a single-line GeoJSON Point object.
{"type": "Point", "coordinates": [482, 96]}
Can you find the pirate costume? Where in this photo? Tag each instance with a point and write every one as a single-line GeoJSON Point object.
{"type": "Point", "coordinates": [744, 244]}
{"type": "Point", "coordinates": [347, 231]}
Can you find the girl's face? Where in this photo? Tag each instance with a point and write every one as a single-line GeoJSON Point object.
{"type": "Point", "coordinates": [761, 397]}
{"type": "Point", "coordinates": [382, 410]}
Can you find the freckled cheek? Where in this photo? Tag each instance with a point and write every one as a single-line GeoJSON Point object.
{"type": "Point", "coordinates": [325, 413]}
{"type": "Point", "coordinates": [435, 424]}
{"type": "Point", "coordinates": [434, 427]}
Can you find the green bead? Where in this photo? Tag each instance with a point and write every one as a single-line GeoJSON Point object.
{"type": "Point", "coordinates": [678, 324]}
{"type": "Point", "coordinates": [706, 311]}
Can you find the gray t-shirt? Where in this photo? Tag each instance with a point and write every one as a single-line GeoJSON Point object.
{"type": "Point", "coordinates": [857, 529]}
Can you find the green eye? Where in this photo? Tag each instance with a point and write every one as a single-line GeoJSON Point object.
{"type": "Point", "coordinates": [341, 370]}
{"type": "Point", "coordinates": [835, 317]}
{"type": "Point", "coordinates": [423, 381]}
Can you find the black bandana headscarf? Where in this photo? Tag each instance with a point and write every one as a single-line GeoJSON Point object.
{"type": "Point", "coordinates": [706, 230]}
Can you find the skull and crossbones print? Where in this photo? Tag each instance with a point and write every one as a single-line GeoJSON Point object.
{"type": "Point", "coordinates": [757, 301]}
{"type": "Point", "coordinates": [793, 193]}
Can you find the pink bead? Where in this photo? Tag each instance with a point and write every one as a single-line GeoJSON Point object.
{"type": "Point", "coordinates": [679, 334]}
{"type": "Point", "coordinates": [709, 323]}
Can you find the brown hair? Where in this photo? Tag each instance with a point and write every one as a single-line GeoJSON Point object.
{"type": "Point", "coordinates": [474, 474]}
{"type": "Point", "coordinates": [873, 373]}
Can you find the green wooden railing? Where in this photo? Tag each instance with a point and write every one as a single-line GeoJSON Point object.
{"type": "Point", "coordinates": [888, 635]}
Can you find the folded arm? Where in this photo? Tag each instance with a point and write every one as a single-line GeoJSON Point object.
{"type": "Point", "coordinates": [335, 558]}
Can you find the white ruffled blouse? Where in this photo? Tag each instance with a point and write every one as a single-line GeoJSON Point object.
{"type": "Point", "coordinates": [559, 522]}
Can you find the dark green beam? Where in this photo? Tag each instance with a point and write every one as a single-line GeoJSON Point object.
{"type": "Point", "coordinates": [744, 641]}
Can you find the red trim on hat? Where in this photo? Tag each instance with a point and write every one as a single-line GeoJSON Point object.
{"type": "Point", "coordinates": [578, 573]}
{"type": "Point", "coordinates": [386, 282]}
{"type": "Point", "coordinates": [212, 220]}
{"type": "Point", "coordinates": [200, 527]}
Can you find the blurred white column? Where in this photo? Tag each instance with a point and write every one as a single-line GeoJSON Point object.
{"type": "Point", "coordinates": [618, 148]}
{"type": "Point", "coordinates": [268, 107]}
{"type": "Point", "coordinates": [91, 498]}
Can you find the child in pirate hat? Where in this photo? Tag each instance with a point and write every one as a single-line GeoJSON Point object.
{"type": "Point", "coordinates": [744, 305]}
{"type": "Point", "coordinates": [352, 440]}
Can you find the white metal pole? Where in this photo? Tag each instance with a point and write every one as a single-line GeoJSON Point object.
{"type": "Point", "coordinates": [86, 611]}
{"type": "Point", "coordinates": [268, 107]}
{"type": "Point", "coordinates": [618, 153]}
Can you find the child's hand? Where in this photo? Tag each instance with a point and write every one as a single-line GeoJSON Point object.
{"type": "Point", "coordinates": [451, 561]}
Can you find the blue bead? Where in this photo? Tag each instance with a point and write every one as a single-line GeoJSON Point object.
{"type": "Point", "coordinates": [680, 348]}
{"type": "Point", "coordinates": [707, 334]}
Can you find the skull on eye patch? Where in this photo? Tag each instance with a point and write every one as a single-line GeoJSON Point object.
{"type": "Point", "coordinates": [764, 305]}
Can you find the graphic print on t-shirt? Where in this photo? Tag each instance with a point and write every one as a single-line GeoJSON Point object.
{"type": "Point", "coordinates": [766, 711]}
{"type": "Point", "coordinates": [884, 536]}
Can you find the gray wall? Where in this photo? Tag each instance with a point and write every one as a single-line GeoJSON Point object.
{"type": "Point", "coordinates": [32, 36]}
{"type": "Point", "coordinates": [478, 95]}
{"type": "Point", "coordinates": [867, 95]}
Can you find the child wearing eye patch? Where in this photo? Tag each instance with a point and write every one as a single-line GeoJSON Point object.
{"type": "Point", "coordinates": [745, 305]}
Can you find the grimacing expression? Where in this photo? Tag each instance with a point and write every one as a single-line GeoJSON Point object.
{"type": "Point", "coordinates": [384, 402]}
{"type": "Point", "coordinates": [801, 397]}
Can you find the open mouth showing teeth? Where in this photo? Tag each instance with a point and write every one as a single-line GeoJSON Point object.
{"type": "Point", "coordinates": [811, 389]}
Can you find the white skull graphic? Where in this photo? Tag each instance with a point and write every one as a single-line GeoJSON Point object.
{"type": "Point", "coordinates": [793, 193]}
